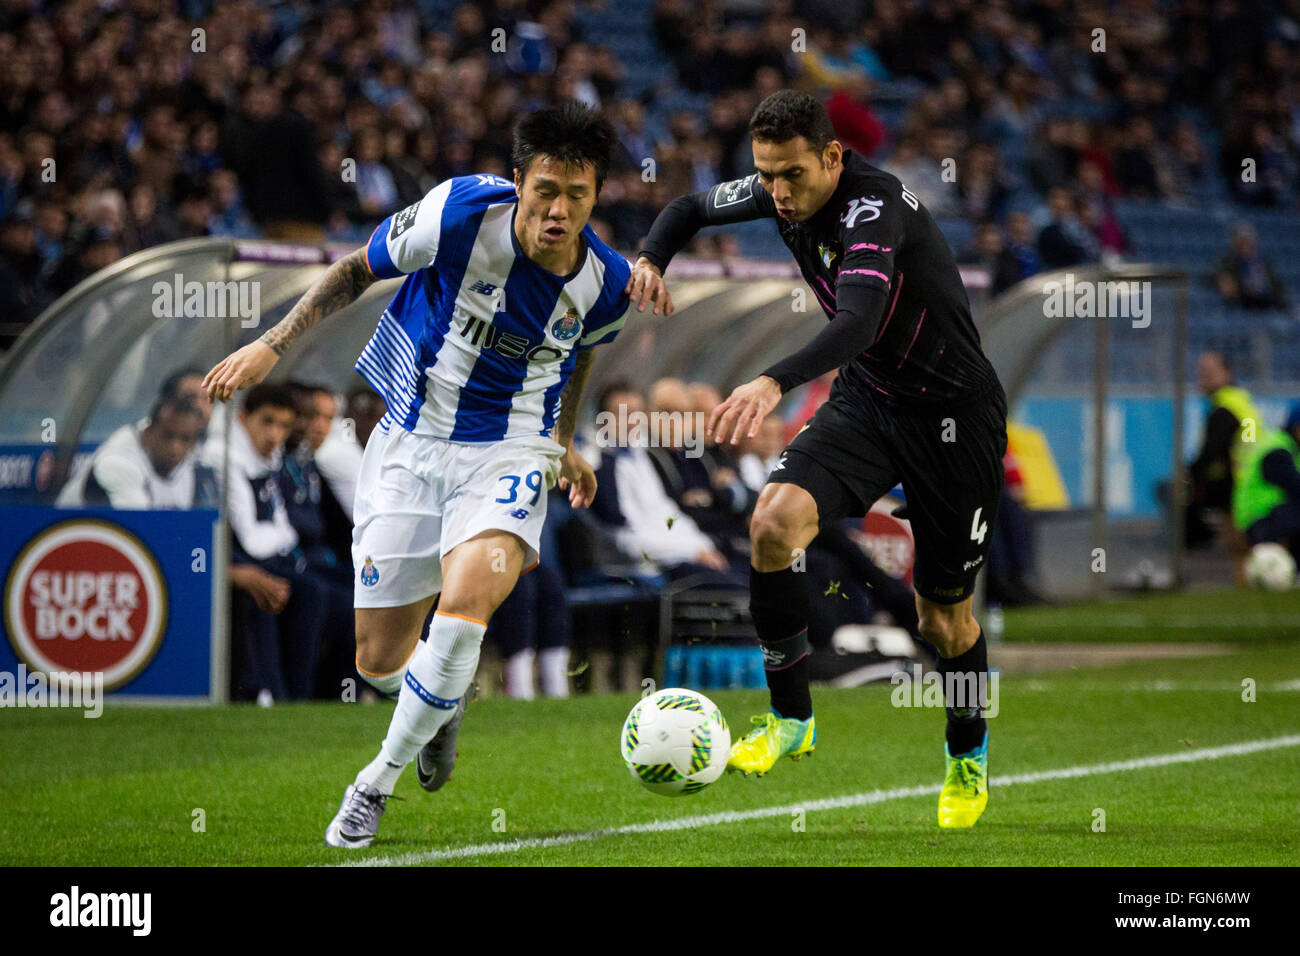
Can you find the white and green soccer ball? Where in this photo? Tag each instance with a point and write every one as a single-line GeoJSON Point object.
{"type": "Point", "coordinates": [675, 741]}
{"type": "Point", "coordinates": [1270, 567]}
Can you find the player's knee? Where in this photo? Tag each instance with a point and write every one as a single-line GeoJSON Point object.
{"type": "Point", "coordinates": [773, 534]}
{"type": "Point", "coordinates": [778, 528]}
{"type": "Point", "coordinates": [942, 624]}
{"type": "Point", "coordinates": [377, 654]}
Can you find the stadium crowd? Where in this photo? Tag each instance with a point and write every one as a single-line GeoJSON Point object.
{"type": "Point", "coordinates": [128, 124]}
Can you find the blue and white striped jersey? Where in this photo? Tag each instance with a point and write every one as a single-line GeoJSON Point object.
{"type": "Point", "coordinates": [479, 341]}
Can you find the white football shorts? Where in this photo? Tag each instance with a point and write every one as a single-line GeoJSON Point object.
{"type": "Point", "coordinates": [419, 496]}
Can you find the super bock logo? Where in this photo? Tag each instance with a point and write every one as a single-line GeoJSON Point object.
{"type": "Point", "coordinates": [86, 596]}
{"type": "Point", "coordinates": [567, 325]}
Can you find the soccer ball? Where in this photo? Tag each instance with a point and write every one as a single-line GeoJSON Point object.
{"type": "Point", "coordinates": [675, 741]}
{"type": "Point", "coordinates": [1270, 567]}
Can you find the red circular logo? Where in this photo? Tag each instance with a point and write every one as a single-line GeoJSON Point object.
{"type": "Point", "coordinates": [889, 540]}
{"type": "Point", "coordinates": [86, 596]}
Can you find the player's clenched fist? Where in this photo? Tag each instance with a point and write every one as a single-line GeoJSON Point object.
{"type": "Point", "coordinates": [646, 285]}
{"type": "Point", "coordinates": [745, 408]}
{"type": "Point", "coordinates": [248, 366]}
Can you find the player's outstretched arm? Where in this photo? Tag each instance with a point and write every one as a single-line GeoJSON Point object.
{"type": "Point", "coordinates": [576, 473]}
{"type": "Point", "coordinates": [341, 285]}
{"type": "Point", "coordinates": [742, 200]}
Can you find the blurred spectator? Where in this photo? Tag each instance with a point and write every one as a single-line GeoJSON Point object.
{"type": "Point", "coordinates": [694, 475]}
{"type": "Point", "coordinates": [324, 532]}
{"type": "Point", "coordinates": [278, 651]}
{"type": "Point", "coordinates": [1231, 413]}
{"type": "Point", "coordinates": [761, 453]}
{"type": "Point", "coordinates": [1266, 496]}
{"type": "Point", "coordinates": [856, 125]}
{"type": "Point", "coordinates": [1003, 267]}
{"type": "Point", "coordinates": [647, 523]}
{"type": "Point", "coordinates": [22, 293]}
{"type": "Point", "coordinates": [151, 464]}
{"type": "Point", "coordinates": [1022, 243]}
{"type": "Point", "coordinates": [271, 148]}
{"type": "Point", "coordinates": [1064, 241]}
{"type": "Point", "coordinates": [532, 628]}
{"type": "Point", "coordinates": [1137, 165]}
{"type": "Point", "coordinates": [981, 185]}
{"type": "Point", "coordinates": [1011, 552]}
{"type": "Point", "coordinates": [1245, 276]}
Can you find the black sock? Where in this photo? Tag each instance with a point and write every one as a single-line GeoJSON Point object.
{"type": "Point", "coordinates": [778, 603]}
{"type": "Point", "coordinates": [966, 724]}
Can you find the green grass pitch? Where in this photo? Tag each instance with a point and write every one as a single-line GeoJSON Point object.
{"type": "Point", "coordinates": [546, 778]}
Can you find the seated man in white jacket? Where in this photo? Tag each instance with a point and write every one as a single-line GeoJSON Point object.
{"type": "Point", "coordinates": [647, 523]}
{"type": "Point", "coordinates": [151, 464]}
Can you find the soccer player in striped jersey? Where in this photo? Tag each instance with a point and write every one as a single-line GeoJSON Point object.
{"type": "Point", "coordinates": [481, 358]}
{"type": "Point", "coordinates": [916, 401]}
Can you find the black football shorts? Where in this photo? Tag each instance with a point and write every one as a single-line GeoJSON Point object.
{"type": "Point", "coordinates": [949, 462]}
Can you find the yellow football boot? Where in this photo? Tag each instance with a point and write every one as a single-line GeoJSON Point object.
{"type": "Point", "coordinates": [965, 787]}
{"type": "Point", "coordinates": [772, 738]}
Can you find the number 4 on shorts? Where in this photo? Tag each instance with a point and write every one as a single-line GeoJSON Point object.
{"type": "Point", "coordinates": [977, 527]}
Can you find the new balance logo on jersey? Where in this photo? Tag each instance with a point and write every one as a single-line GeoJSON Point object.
{"type": "Point", "coordinates": [520, 513]}
{"type": "Point", "coordinates": [858, 207]}
{"type": "Point", "coordinates": [404, 220]}
{"type": "Point", "coordinates": [484, 288]}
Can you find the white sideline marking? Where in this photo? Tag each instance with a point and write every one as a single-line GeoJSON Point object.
{"type": "Point", "coordinates": [830, 803]}
{"type": "Point", "coordinates": [1038, 684]}
{"type": "Point", "coordinates": [1192, 621]}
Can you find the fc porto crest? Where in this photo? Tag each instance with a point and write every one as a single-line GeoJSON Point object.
{"type": "Point", "coordinates": [369, 573]}
{"type": "Point", "coordinates": [828, 254]}
{"type": "Point", "coordinates": [567, 325]}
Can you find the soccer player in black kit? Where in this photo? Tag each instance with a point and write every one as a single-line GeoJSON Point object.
{"type": "Point", "coordinates": [916, 401]}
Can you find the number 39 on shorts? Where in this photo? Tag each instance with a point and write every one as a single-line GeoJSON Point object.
{"type": "Point", "coordinates": [534, 482]}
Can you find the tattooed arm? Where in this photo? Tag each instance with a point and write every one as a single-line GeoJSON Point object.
{"type": "Point", "coordinates": [340, 286]}
{"type": "Point", "coordinates": [575, 473]}
{"type": "Point", "coordinates": [571, 397]}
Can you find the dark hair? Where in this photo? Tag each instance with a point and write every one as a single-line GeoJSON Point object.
{"type": "Point", "coordinates": [307, 389]}
{"type": "Point", "coordinates": [277, 396]}
{"type": "Point", "coordinates": [174, 404]}
{"type": "Point", "coordinates": [612, 389]}
{"type": "Point", "coordinates": [570, 133]}
{"type": "Point", "coordinates": [172, 383]}
{"type": "Point", "coordinates": [790, 113]}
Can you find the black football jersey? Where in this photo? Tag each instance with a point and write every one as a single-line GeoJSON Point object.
{"type": "Point", "coordinates": [926, 348]}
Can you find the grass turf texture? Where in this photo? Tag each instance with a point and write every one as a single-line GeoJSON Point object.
{"type": "Point", "coordinates": [121, 790]}
{"type": "Point", "coordinates": [1233, 615]}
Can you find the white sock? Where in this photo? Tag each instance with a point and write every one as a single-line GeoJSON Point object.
{"type": "Point", "coordinates": [519, 674]}
{"type": "Point", "coordinates": [388, 684]}
{"type": "Point", "coordinates": [437, 676]}
{"type": "Point", "coordinates": [553, 662]}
